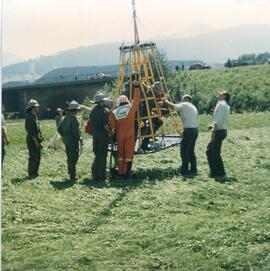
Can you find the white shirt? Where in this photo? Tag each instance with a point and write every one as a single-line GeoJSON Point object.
{"type": "Point", "coordinates": [221, 115]}
{"type": "Point", "coordinates": [3, 123]}
{"type": "Point", "coordinates": [188, 114]}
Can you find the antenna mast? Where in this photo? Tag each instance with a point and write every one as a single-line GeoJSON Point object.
{"type": "Point", "coordinates": [136, 32]}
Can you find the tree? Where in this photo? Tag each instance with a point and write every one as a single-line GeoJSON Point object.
{"type": "Point", "coordinates": [228, 64]}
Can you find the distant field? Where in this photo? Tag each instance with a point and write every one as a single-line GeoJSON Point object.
{"type": "Point", "coordinates": [249, 87]}
{"type": "Point", "coordinates": [155, 220]}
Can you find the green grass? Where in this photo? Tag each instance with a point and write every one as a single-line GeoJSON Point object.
{"type": "Point", "coordinates": [249, 87]}
{"type": "Point", "coordinates": [156, 220]}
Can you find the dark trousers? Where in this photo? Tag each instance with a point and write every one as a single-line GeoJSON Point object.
{"type": "Point", "coordinates": [187, 151]}
{"type": "Point", "coordinates": [213, 154]}
{"type": "Point", "coordinates": [3, 151]}
{"type": "Point", "coordinates": [34, 157]}
{"type": "Point", "coordinates": [72, 151]}
{"type": "Point", "coordinates": [100, 148]}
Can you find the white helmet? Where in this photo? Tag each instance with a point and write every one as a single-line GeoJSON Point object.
{"type": "Point", "coordinates": [99, 96]}
{"type": "Point", "coordinates": [122, 99]}
{"type": "Point", "coordinates": [108, 103]}
{"type": "Point", "coordinates": [158, 88]}
{"type": "Point", "coordinates": [73, 105]}
{"type": "Point", "coordinates": [31, 103]}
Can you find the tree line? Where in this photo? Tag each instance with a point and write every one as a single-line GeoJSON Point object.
{"type": "Point", "coordinates": [248, 59]}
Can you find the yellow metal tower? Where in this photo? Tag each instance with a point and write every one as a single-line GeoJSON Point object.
{"type": "Point", "coordinates": [141, 62]}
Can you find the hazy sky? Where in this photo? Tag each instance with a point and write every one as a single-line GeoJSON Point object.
{"type": "Point", "coordinates": [39, 27]}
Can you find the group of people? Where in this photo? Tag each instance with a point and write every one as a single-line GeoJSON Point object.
{"type": "Point", "coordinates": [189, 116]}
{"type": "Point", "coordinates": [117, 123]}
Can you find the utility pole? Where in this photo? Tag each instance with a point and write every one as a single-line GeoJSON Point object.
{"type": "Point", "coordinates": [136, 32]}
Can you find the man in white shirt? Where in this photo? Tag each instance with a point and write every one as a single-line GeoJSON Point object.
{"type": "Point", "coordinates": [5, 140]}
{"type": "Point", "coordinates": [189, 116]}
{"type": "Point", "coordinates": [219, 133]}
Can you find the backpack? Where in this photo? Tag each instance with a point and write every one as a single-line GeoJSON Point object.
{"type": "Point", "coordinates": [89, 127]}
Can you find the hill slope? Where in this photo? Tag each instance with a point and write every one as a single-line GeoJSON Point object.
{"type": "Point", "coordinates": [210, 47]}
{"type": "Point", "coordinates": [249, 87]}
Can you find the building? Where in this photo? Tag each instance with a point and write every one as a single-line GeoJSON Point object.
{"type": "Point", "coordinates": [50, 95]}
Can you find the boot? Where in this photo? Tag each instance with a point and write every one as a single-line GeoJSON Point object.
{"type": "Point", "coordinates": [129, 166]}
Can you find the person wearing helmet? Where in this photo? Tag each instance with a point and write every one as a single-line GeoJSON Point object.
{"type": "Point", "coordinates": [122, 123]}
{"type": "Point", "coordinates": [101, 132]}
{"type": "Point", "coordinates": [69, 129]}
{"type": "Point", "coordinates": [108, 103]}
{"type": "Point", "coordinates": [153, 106]}
{"type": "Point", "coordinates": [56, 141]}
{"type": "Point", "coordinates": [34, 138]}
{"type": "Point", "coordinates": [58, 116]}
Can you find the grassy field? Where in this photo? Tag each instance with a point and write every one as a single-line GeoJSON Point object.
{"type": "Point", "coordinates": [155, 220]}
{"type": "Point", "coordinates": [249, 87]}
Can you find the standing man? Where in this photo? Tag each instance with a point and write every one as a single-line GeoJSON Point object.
{"type": "Point", "coordinates": [101, 132]}
{"type": "Point", "coordinates": [34, 138]}
{"type": "Point", "coordinates": [122, 123]}
{"type": "Point", "coordinates": [189, 117]}
{"type": "Point", "coordinates": [5, 139]}
{"type": "Point", "coordinates": [69, 129]}
{"type": "Point", "coordinates": [219, 133]}
{"type": "Point", "coordinates": [58, 116]}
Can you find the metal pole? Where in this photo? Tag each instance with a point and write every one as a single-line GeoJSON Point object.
{"type": "Point", "coordinates": [136, 32]}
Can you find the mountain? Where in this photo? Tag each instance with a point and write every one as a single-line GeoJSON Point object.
{"type": "Point", "coordinates": [219, 45]}
{"type": "Point", "coordinates": [97, 55]}
{"type": "Point", "coordinates": [9, 58]}
{"type": "Point", "coordinates": [210, 47]}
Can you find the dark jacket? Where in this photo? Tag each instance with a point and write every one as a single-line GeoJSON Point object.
{"type": "Point", "coordinates": [32, 127]}
{"type": "Point", "coordinates": [69, 129]}
{"type": "Point", "coordinates": [99, 117]}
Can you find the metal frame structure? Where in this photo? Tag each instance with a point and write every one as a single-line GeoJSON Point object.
{"type": "Point", "coordinates": [143, 60]}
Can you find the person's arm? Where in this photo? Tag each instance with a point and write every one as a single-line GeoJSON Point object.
{"type": "Point", "coordinates": [176, 107]}
{"type": "Point", "coordinates": [4, 133]}
{"type": "Point", "coordinates": [86, 107]}
{"type": "Point", "coordinates": [106, 121]}
{"type": "Point", "coordinates": [137, 96]}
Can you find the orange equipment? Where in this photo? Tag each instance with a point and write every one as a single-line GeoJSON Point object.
{"type": "Point", "coordinates": [122, 122]}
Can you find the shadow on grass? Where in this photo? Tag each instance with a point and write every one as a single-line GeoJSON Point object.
{"type": "Point", "coordinates": [91, 184]}
{"type": "Point", "coordinates": [226, 179]}
{"type": "Point", "coordinates": [136, 178]}
{"type": "Point", "coordinates": [190, 176]}
{"type": "Point", "coordinates": [60, 185]}
{"type": "Point", "coordinates": [19, 180]}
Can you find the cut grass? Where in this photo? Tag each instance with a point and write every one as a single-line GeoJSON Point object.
{"type": "Point", "coordinates": [155, 220]}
